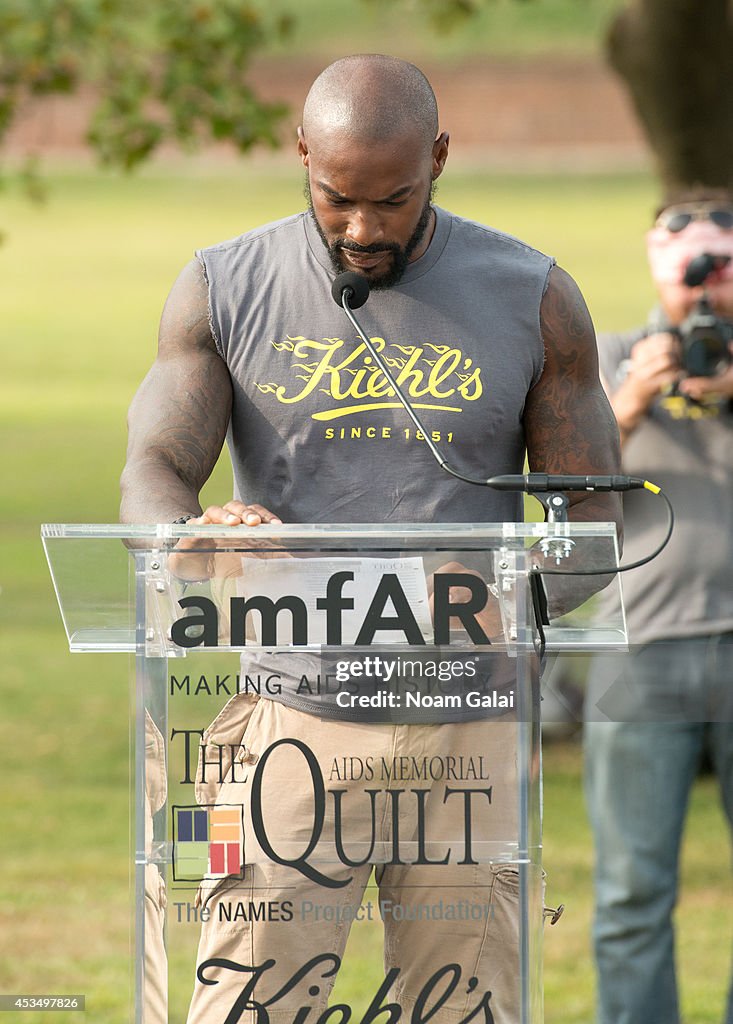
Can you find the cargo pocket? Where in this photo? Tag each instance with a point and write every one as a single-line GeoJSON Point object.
{"type": "Point", "coordinates": [228, 732]}
{"type": "Point", "coordinates": [504, 896]}
{"type": "Point", "coordinates": [504, 884]}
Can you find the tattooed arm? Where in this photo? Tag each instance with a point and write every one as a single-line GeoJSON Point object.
{"type": "Point", "coordinates": [570, 428]}
{"type": "Point", "coordinates": [179, 416]}
{"type": "Point", "coordinates": [569, 425]}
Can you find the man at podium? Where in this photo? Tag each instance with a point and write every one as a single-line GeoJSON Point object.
{"type": "Point", "coordinates": [489, 339]}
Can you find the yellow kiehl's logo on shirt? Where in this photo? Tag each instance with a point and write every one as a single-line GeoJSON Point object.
{"type": "Point", "coordinates": [358, 385]}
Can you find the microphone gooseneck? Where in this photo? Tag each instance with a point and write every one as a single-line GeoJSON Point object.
{"type": "Point", "coordinates": [350, 291]}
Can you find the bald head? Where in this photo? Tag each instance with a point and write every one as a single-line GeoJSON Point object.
{"type": "Point", "coordinates": [371, 98]}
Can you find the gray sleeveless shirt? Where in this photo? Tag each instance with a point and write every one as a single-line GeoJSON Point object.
{"type": "Point", "coordinates": [316, 435]}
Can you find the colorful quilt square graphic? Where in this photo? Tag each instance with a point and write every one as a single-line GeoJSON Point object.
{"type": "Point", "coordinates": [208, 842]}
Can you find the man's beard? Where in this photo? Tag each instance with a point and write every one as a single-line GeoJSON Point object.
{"type": "Point", "coordinates": [400, 256]}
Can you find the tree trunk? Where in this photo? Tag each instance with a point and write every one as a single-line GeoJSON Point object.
{"type": "Point", "coordinates": [676, 59]}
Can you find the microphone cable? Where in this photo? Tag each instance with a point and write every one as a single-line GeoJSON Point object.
{"type": "Point", "coordinates": [351, 290]}
{"type": "Point", "coordinates": [536, 573]}
{"type": "Point", "coordinates": [630, 565]}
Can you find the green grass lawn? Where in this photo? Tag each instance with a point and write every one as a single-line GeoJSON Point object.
{"type": "Point", "coordinates": [499, 28]}
{"type": "Point", "coordinates": [83, 281]}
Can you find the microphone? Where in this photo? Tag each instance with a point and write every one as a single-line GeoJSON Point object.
{"type": "Point", "coordinates": [351, 286]}
{"type": "Point", "coordinates": [535, 483]}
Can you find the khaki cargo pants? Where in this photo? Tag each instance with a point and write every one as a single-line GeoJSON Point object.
{"type": "Point", "coordinates": [457, 916]}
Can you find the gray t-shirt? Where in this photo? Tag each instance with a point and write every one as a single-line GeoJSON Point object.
{"type": "Point", "coordinates": [316, 434]}
{"type": "Point", "coordinates": [687, 449]}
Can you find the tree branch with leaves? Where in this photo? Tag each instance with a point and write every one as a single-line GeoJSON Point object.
{"type": "Point", "coordinates": [173, 70]}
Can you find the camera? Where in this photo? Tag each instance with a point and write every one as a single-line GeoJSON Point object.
{"type": "Point", "coordinates": [704, 337]}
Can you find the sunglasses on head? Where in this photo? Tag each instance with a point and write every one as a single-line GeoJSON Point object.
{"type": "Point", "coordinates": [676, 219]}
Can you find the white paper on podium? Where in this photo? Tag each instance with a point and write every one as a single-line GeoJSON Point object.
{"type": "Point", "coordinates": [307, 579]}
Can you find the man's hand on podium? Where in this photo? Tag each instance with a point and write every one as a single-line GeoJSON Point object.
{"type": "Point", "coordinates": [196, 558]}
{"type": "Point", "coordinates": [236, 513]}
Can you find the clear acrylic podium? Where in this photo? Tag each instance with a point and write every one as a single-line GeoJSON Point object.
{"type": "Point", "coordinates": [336, 736]}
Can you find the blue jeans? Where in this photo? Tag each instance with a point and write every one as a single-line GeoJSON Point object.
{"type": "Point", "coordinates": [671, 700]}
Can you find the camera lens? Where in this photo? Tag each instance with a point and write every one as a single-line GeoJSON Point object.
{"type": "Point", "coordinates": [705, 353]}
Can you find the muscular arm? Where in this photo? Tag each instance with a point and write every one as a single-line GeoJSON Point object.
{"type": "Point", "coordinates": [178, 418]}
{"type": "Point", "coordinates": [569, 425]}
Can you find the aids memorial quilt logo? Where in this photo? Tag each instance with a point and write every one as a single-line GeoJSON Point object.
{"type": "Point", "coordinates": [208, 842]}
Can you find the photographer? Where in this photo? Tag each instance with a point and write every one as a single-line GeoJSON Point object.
{"type": "Point", "coordinates": [660, 357]}
{"type": "Point", "coordinates": [652, 715]}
